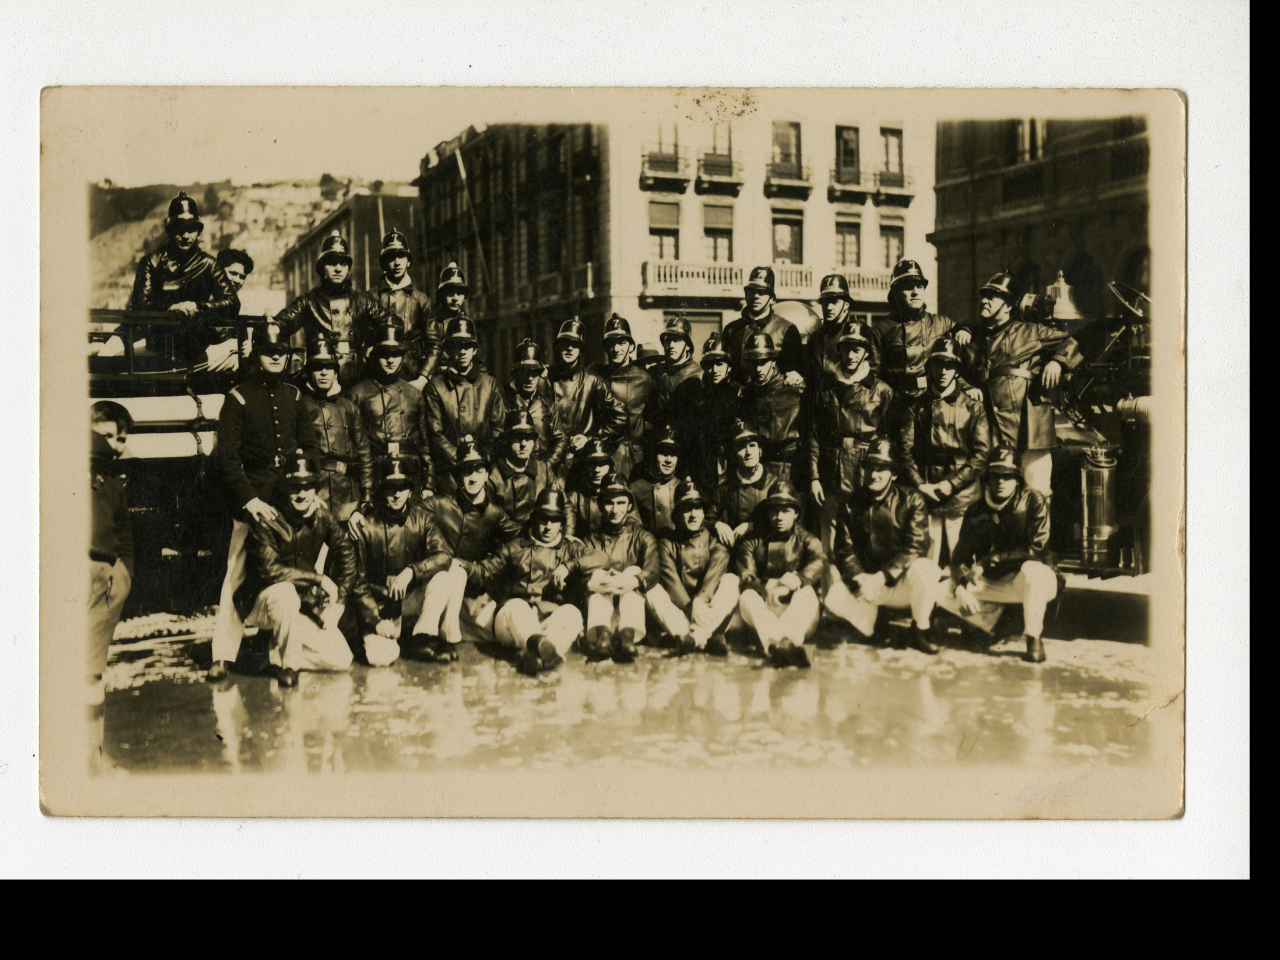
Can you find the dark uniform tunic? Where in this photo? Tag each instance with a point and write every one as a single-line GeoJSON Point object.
{"type": "Point", "coordinates": [348, 316]}
{"type": "Point", "coordinates": [111, 536]}
{"type": "Point", "coordinates": [334, 419]}
{"type": "Point", "coordinates": [946, 438]}
{"type": "Point", "coordinates": [422, 331]}
{"type": "Point", "coordinates": [164, 279]}
{"type": "Point", "coordinates": [389, 411]}
{"type": "Point", "coordinates": [884, 535]}
{"type": "Point", "coordinates": [676, 402]}
{"type": "Point", "coordinates": [262, 425]}
{"type": "Point", "coordinates": [791, 352]}
{"type": "Point", "coordinates": [711, 420]}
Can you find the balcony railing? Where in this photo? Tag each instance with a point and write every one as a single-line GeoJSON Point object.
{"type": "Point", "coordinates": [584, 281]}
{"type": "Point", "coordinates": [663, 168]}
{"type": "Point", "coordinates": [844, 176]}
{"type": "Point", "coordinates": [718, 173]}
{"type": "Point", "coordinates": [793, 278]}
{"type": "Point", "coordinates": [891, 179]}
{"type": "Point", "coordinates": [550, 286]}
{"type": "Point", "coordinates": [675, 278]}
{"type": "Point", "coordinates": [787, 178]}
{"type": "Point", "coordinates": [867, 281]}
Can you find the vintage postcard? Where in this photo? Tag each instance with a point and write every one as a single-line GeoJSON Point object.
{"type": "Point", "coordinates": [512, 452]}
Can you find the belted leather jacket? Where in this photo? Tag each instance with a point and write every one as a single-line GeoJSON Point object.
{"type": "Point", "coordinates": [389, 411]}
{"type": "Point", "coordinates": [738, 502]}
{"type": "Point", "coordinates": [466, 531]}
{"type": "Point", "coordinates": [946, 438]}
{"type": "Point", "coordinates": [785, 336]}
{"type": "Point", "coordinates": [678, 396]}
{"type": "Point", "coordinates": [333, 417]}
{"type": "Point", "coordinates": [691, 566]}
{"type": "Point", "coordinates": [627, 545]}
{"type": "Point", "coordinates": [847, 414]}
{"type": "Point", "coordinates": [261, 425]}
{"type": "Point", "coordinates": [516, 490]}
{"type": "Point", "coordinates": [761, 557]}
{"type": "Point", "coordinates": [655, 502]}
{"type": "Point", "coordinates": [386, 544]}
{"type": "Point", "coordinates": [880, 534]}
{"type": "Point", "coordinates": [1002, 538]}
{"type": "Point", "coordinates": [584, 404]}
{"type": "Point", "coordinates": [285, 548]}
{"type": "Point", "coordinates": [633, 390]}
{"type": "Point", "coordinates": [553, 443]}
{"type": "Point", "coordinates": [348, 316]}
{"type": "Point", "coordinates": [779, 413]}
{"type": "Point", "coordinates": [1013, 358]}
{"type": "Point", "coordinates": [900, 348]}
{"type": "Point", "coordinates": [459, 404]}
{"type": "Point", "coordinates": [522, 569]}
{"type": "Point", "coordinates": [422, 332]}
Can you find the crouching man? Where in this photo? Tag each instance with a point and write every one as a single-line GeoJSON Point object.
{"type": "Point", "coordinates": [629, 571]}
{"type": "Point", "coordinates": [780, 567]}
{"type": "Point", "coordinates": [881, 538]}
{"type": "Point", "coordinates": [390, 575]}
{"type": "Point", "coordinates": [1003, 555]}
{"type": "Point", "coordinates": [284, 593]}
{"type": "Point", "coordinates": [697, 594]}
{"type": "Point", "coordinates": [530, 574]}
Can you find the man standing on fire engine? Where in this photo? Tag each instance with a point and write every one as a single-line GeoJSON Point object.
{"type": "Point", "coordinates": [397, 294]}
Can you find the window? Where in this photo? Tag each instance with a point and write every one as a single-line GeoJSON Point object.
{"type": "Point", "coordinates": [664, 231]}
{"type": "Point", "coordinates": [788, 236]}
{"type": "Point", "coordinates": [717, 227]}
{"type": "Point", "coordinates": [722, 139]}
{"type": "Point", "coordinates": [847, 163]}
{"type": "Point", "coordinates": [786, 148]}
{"type": "Point", "coordinates": [848, 242]}
{"type": "Point", "coordinates": [702, 323]}
{"type": "Point", "coordinates": [892, 170]}
{"type": "Point", "coordinates": [891, 244]}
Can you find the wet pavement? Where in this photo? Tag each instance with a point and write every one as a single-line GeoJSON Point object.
{"type": "Point", "coordinates": [859, 704]}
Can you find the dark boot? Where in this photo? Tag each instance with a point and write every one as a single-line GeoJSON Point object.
{"type": "Point", "coordinates": [921, 640]}
{"type": "Point", "coordinates": [782, 653]}
{"type": "Point", "coordinates": [624, 646]}
{"type": "Point", "coordinates": [717, 646]}
{"type": "Point", "coordinates": [1035, 650]}
{"type": "Point", "coordinates": [546, 652]}
{"type": "Point", "coordinates": [442, 651]}
{"type": "Point", "coordinates": [529, 663]}
{"type": "Point", "coordinates": [596, 642]}
{"type": "Point", "coordinates": [287, 677]}
{"type": "Point", "coordinates": [219, 671]}
{"type": "Point", "coordinates": [799, 657]}
{"type": "Point", "coordinates": [685, 645]}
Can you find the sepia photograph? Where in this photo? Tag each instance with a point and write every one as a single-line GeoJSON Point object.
{"type": "Point", "coordinates": [645, 452]}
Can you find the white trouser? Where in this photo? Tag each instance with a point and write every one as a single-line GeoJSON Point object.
{"type": "Point", "coordinates": [299, 644]}
{"type": "Point", "coordinates": [630, 607]}
{"type": "Point", "coordinates": [793, 620]}
{"type": "Point", "coordinates": [1033, 586]}
{"type": "Point", "coordinates": [918, 589]}
{"type": "Point", "coordinates": [444, 602]}
{"type": "Point", "coordinates": [952, 526]}
{"type": "Point", "coordinates": [703, 618]}
{"type": "Point", "coordinates": [228, 628]}
{"type": "Point", "coordinates": [518, 620]}
{"type": "Point", "coordinates": [1037, 470]}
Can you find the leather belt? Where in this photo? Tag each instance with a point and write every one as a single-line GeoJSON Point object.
{"type": "Point", "coordinates": [334, 465]}
{"type": "Point", "coordinates": [270, 463]}
{"type": "Point", "coordinates": [1021, 372]}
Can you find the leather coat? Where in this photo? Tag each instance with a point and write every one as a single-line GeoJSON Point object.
{"type": "Point", "coordinates": [882, 535]}
{"type": "Point", "coordinates": [677, 399]}
{"type": "Point", "coordinates": [553, 443]}
{"type": "Point", "coordinates": [1005, 538]}
{"type": "Point", "coordinates": [780, 414]}
{"type": "Point", "coordinates": [422, 332]}
{"type": "Point", "coordinates": [346, 315]}
{"type": "Point", "coordinates": [582, 508]}
{"type": "Point", "coordinates": [522, 569]}
{"type": "Point", "coordinates": [516, 490]}
{"type": "Point", "coordinates": [691, 565]}
{"type": "Point", "coordinates": [946, 438]}
{"type": "Point", "coordinates": [1013, 357]}
{"type": "Point", "coordinates": [655, 502]}
{"type": "Point", "coordinates": [761, 557]}
{"type": "Point", "coordinates": [334, 419]}
{"type": "Point", "coordinates": [900, 349]}
{"type": "Point", "coordinates": [710, 424]}
{"type": "Point", "coordinates": [285, 549]}
{"type": "Point", "coordinates": [629, 545]}
{"type": "Point", "coordinates": [739, 502]}
{"type": "Point", "coordinates": [846, 417]}
{"type": "Point", "coordinates": [385, 545]}
{"type": "Point", "coordinates": [261, 425]}
{"type": "Point", "coordinates": [163, 279]}
{"type": "Point", "coordinates": [785, 335]}
{"type": "Point", "coordinates": [465, 530]}
{"type": "Point", "coordinates": [824, 357]}
{"type": "Point", "coordinates": [634, 392]}
{"type": "Point", "coordinates": [584, 404]}
{"type": "Point", "coordinates": [389, 411]}
{"type": "Point", "coordinates": [460, 404]}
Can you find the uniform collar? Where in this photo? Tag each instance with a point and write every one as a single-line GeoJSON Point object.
{"type": "Point", "coordinates": [405, 284]}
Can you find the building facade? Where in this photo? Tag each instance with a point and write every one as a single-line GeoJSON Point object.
{"type": "Point", "coordinates": [363, 220]}
{"type": "Point", "coordinates": [650, 216]}
{"type": "Point", "coordinates": [1041, 197]}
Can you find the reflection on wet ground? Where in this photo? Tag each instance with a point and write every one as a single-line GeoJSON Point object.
{"type": "Point", "coordinates": [858, 704]}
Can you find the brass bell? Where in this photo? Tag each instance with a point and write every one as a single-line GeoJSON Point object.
{"type": "Point", "coordinates": [1064, 300]}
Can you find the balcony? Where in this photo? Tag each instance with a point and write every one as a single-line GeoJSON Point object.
{"type": "Point", "coordinates": [787, 179]}
{"type": "Point", "coordinates": [718, 174]}
{"type": "Point", "coordinates": [664, 168]}
{"type": "Point", "coordinates": [893, 189]}
{"type": "Point", "coordinates": [867, 284]}
{"type": "Point", "coordinates": [584, 281]}
{"type": "Point", "coordinates": [848, 185]}
{"type": "Point", "coordinates": [549, 288]}
{"type": "Point", "coordinates": [793, 280]}
{"type": "Point", "coordinates": [675, 278]}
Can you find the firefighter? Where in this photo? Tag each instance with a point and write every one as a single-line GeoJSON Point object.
{"type": "Point", "coordinates": [655, 490]}
{"type": "Point", "coordinates": [527, 390]}
{"type": "Point", "coordinates": [696, 594]}
{"type": "Point", "coordinates": [333, 417]}
{"type": "Point", "coordinates": [902, 340]}
{"type": "Point", "coordinates": [391, 419]}
{"type": "Point", "coordinates": [185, 281]}
{"type": "Point", "coordinates": [469, 525]}
{"type": "Point", "coordinates": [780, 569]}
{"type": "Point", "coordinates": [451, 295]}
{"type": "Point", "coordinates": [223, 350]}
{"type": "Point", "coordinates": [462, 400]}
{"type": "Point", "coordinates": [1013, 354]}
{"type": "Point", "coordinates": [744, 488]}
{"type": "Point", "coordinates": [836, 303]}
{"type": "Point", "coordinates": [519, 476]}
{"type": "Point", "coordinates": [284, 593]}
{"type": "Point", "coordinates": [758, 318]}
{"type": "Point", "coordinates": [618, 587]}
{"type": "Point", "coordinates": [260, 427]}
{"type": "Point", "coordinates": [336, 309]}
{"type": "Point", "coordinates": [390, 567]}
{"type": "Point", "coordinates": [679, 388]}
{"type": "Point", "coordinates": [847, 409]}
{"type": "Point", "coordinates": [1003, 555]}
{"type": "Point", "coordinates": [633, 392]}
{"type": "Point", "coordinates": [776, 406]}
{"type": "Point", "coordinates": [710, 448]}
{"type": "Point", "coordinates": [530, 576]}
{"type": "Point", "coordinates": [882, 534]}
{"type": "Point", "coordinates": [583, 403]}
{"type": "Point", "coordinates": [945, 443]}
{"type": "Point", "coordinates": [585, 486]}
{"type": "Point", "coordinates": [397, 295]}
